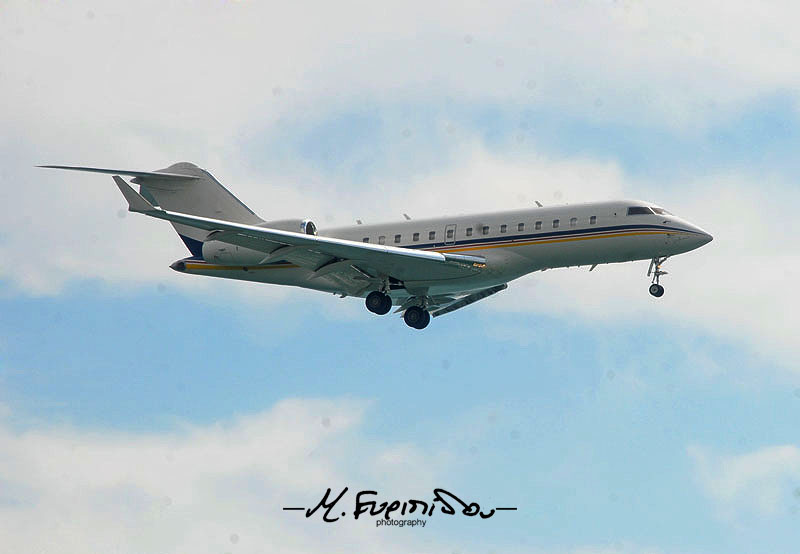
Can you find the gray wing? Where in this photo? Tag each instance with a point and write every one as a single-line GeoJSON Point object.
{"type": "Point", "coordinates": [319, 252]}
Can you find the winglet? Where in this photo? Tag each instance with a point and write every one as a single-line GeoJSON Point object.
{"type": "Point", "coordinates": [136, 202]}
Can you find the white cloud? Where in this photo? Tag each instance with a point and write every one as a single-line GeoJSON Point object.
{"type": "Point", "coordinates": [219, 65]}
{"type": "Point", "coordinates": [616, 548]}
{"type": "Point", "coordinates": [116, 86]}
{"type": "Point", "coordinates": [211, 488]}
{"type": "Point", "coordinates": [219, 487]}
{"type": "Point", "coordinates": [762, 482]}
{"type": "Point", "coordinates": [735, 287]}
{"type": "Point", "coordinates": [67, 226]}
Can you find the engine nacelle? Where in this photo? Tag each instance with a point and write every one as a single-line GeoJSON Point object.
{"type": "Point", "coordinates": [305, 226]}
{"type": "Point", "coordinates": [218, 252]}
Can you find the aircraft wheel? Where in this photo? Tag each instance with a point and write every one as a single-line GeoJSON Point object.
{"type": "Point", "coordinates": [378, 303]}
{"type": "Point", "coordinates": [386, 306]}
{"type": "Point", "coordinates": [416, 317]}
{"type": "Point", "coordinates": [656, 290]}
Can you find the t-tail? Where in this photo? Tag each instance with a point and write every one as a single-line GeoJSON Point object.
{"type": "Point", "coordinates": [185, 188]}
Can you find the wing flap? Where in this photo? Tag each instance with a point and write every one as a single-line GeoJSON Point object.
{"type": "Point", "coordinates": [469, 299]}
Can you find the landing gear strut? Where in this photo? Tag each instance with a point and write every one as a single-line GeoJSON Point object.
{"type": "Point", "coordinates": [378, 302]}
{"type": "Point", "coordinates": [416, 317]}
{"type": "Point", "coordinates": [655, 269]}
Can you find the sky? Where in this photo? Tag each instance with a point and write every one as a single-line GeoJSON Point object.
{"type": "Point", "coordinates": [142, 410]}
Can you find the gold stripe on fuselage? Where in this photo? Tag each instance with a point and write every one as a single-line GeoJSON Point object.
{"type": "Point", "coordinates": [239, 267]}
{"type": "Point", "coordinates": [550, 241]}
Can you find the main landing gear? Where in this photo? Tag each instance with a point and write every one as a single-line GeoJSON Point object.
{"type": "Point", "coordinates": [378, 302]}
{"type": "Point", "coordinates": [417, 317]}
{"type": "Point", "coordinates": [655, 269]}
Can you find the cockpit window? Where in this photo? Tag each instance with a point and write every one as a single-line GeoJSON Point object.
{"type": "Point", "coordinates": [639, 210]}
{"type": "Point", "coordinates": [660, 211]}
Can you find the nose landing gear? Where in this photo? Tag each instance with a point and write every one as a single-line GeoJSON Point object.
{"type": "Point", "coordinates": [656, 290]}
{"type": "Point", "coordinates": [655, 270]}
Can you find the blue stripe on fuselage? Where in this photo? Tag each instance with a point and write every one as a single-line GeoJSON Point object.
{"type": "Point", "coordinates": [540, 235]}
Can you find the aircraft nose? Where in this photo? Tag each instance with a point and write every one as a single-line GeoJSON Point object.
{"type": "Point", "coordinates": [703, 237]}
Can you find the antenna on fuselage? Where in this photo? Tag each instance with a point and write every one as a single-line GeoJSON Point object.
{"type": "Point", "coordinates": [538, 203]}
{"type": "Point", "coordinates": [408, 218]}
{"type": "Point", "coordinates": [358, 222]}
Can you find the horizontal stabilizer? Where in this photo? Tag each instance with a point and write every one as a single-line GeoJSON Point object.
{"type": "Point", "coordinates": [136, 202]}
{"type": "Point", "coordinates": [140, 174]}
{"type": "Point", "coordinates": [184, 188]}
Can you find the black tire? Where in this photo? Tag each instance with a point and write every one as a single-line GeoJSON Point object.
{"type": "Point", "coordinates": [656, 290]}
{"type": "Point", "coordinates": [374, 301]}
{"type": "Point", "coordinates": [426, 318]}
{"type": "Point", "coordinates": [386, 306]}
{"type": "Point", "coordinates": [414, 316]}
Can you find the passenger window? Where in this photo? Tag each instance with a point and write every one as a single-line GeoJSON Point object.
{"type": "Point", "coordinates": [381, 239]}
{"type": "Point", "coordinates": [555, 223]}
{"type": "Point", "coordinates": [573, 222]}
{"type": "Point", "coordinates": [469, 231]}
{"type": "Point", "coordinates": [416, 237]}
{"type": "Point", "coordinates": [365, 239]}
{"type": "Point", "coordinates": [485, 229]}
{"type": "Point", "coordinates": [538, 226]}
{"type": "Point", "coordinates": [503, 228]}
{"type": "Point", "coordinates": [639, 210]}
{"type": "Point", "coordinates": [450, 233]}
{"type": "Point", "coordinates": [520, 227]}
{"type": "Point", "coordinates": [431, 235]}
{"type": "Point", "coordinates": [593, 220]}
{"type": "Point", "coordinates": [397, 239]}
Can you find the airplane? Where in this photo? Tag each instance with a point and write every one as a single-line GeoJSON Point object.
{"type": "Point", "coordinates": [426, 268]}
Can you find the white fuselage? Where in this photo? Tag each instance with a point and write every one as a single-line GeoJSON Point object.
{"type": "Point", "coordinates": [514, 243]}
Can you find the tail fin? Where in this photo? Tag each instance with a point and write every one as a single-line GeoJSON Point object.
{"type": "Point", "coordinates": [203, 196]}
{"type": "Point", "coordinates": [183, 187]}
